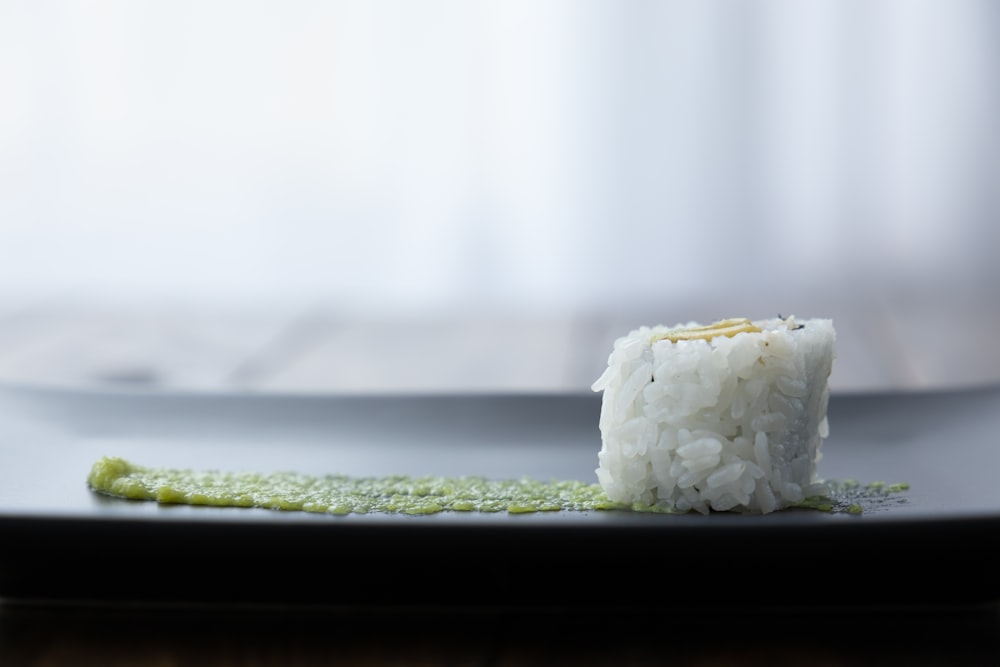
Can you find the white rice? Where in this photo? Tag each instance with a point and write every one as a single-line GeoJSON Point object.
{"type": "Point", "coordinates": [729, 423]}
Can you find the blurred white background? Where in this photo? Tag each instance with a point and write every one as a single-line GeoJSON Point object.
{"type": "Point", "coordinates": [388, 153]}
{"type": "Point", "coordinates": [549, 155]}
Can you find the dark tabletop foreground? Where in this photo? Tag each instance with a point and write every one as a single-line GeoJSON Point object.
{"type": "Point", "coordinates": [112, 636]}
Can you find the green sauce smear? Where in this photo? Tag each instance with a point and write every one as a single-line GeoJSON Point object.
{"type": "Point", "coordinates": [402, 494]}
{"type": "Point", "coordinates": [341, 494]}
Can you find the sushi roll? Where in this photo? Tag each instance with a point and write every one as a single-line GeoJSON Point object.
{"type": "Point", "coordinates": [729, 416]}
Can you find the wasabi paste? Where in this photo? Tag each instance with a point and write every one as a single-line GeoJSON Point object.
{"type": "Point", "coordinates": [399, 494]}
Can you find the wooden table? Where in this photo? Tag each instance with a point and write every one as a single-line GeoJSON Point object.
{"type": "Point", "coordinates": [898, 342]}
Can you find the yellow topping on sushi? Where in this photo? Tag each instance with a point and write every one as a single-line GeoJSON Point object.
{"type": "Point", "coordinates": [729, 328]}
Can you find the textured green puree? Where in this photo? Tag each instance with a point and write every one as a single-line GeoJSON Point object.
{"type": "Point", "coordinates": [341, 494]}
